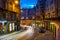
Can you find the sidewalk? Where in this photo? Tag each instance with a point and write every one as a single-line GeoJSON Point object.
{"type": "Point", "coordinates": [7, 35]}
{"type": "Point", "coordinates": [13, 36]}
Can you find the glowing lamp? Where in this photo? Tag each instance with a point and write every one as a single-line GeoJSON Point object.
{"type": "Point", "coordinates": [16, 2]}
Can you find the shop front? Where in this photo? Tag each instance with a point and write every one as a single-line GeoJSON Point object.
{"type": "Point", "coordinates": [11, 26]}
{"type": "Point", "coordinates": [53, 29]}
{"type": "Point", "coordinates": [0, 28]}
{"type": "Point", "coordinates": [51, 26]}
{"type": "Point", "coordinates": [33, 23]}
{"type": "Point", "coordinates": [3, 27]}
{"type": "Point", "coordinates": [39, 23]}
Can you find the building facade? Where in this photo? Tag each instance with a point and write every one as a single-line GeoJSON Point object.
{"type": "Point", "coordinates": [10, 16]}
{"type": "Point", "coordinates": [52, 16]}
{"type": "Point", "coordinates": [13, 5]}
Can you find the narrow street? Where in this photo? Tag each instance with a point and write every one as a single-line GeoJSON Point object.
{"type": "Point", "coordinates": [38, 36]}
{"type": "Point", "coordinates": [29, 19]}
{"type": "Point", "coordinates": [30, 34]}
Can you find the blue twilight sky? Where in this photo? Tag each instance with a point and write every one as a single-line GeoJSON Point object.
{"type": "Point", "coordinates": [27, 3]}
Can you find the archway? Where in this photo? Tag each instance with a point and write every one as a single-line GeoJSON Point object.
{"type": "Point", "coordinates": [55, 24]}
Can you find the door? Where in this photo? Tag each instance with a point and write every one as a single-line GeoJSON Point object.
{"type": "Point", "coordinates": [53, 29]}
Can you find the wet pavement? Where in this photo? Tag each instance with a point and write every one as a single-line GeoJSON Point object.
{"type": "Point", "coordinates": [38, 36]}
{"type": "Point", "coordinates": [30, 34]}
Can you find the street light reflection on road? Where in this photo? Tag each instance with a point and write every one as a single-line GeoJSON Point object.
{"type": "Point", "coordinates": [28, 33]}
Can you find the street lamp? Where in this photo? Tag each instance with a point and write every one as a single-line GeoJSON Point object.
{"type": "Point", "coordinates": [16, 2]}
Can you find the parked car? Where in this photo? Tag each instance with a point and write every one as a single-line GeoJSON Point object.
{"type": "Point", "coordinates": [41, 30]}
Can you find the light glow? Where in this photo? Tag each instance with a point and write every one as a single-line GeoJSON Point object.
{"type": "Point", "coordinates": [52, 23]}
{"type": "Point", "coordinates": [16, 2]}
{"type": "Point", "coordinates": [10, 27]}
{"type": "Point", "coordinates": [13, 26]}
{"type": "Point", "coordinates": [29, 31]}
